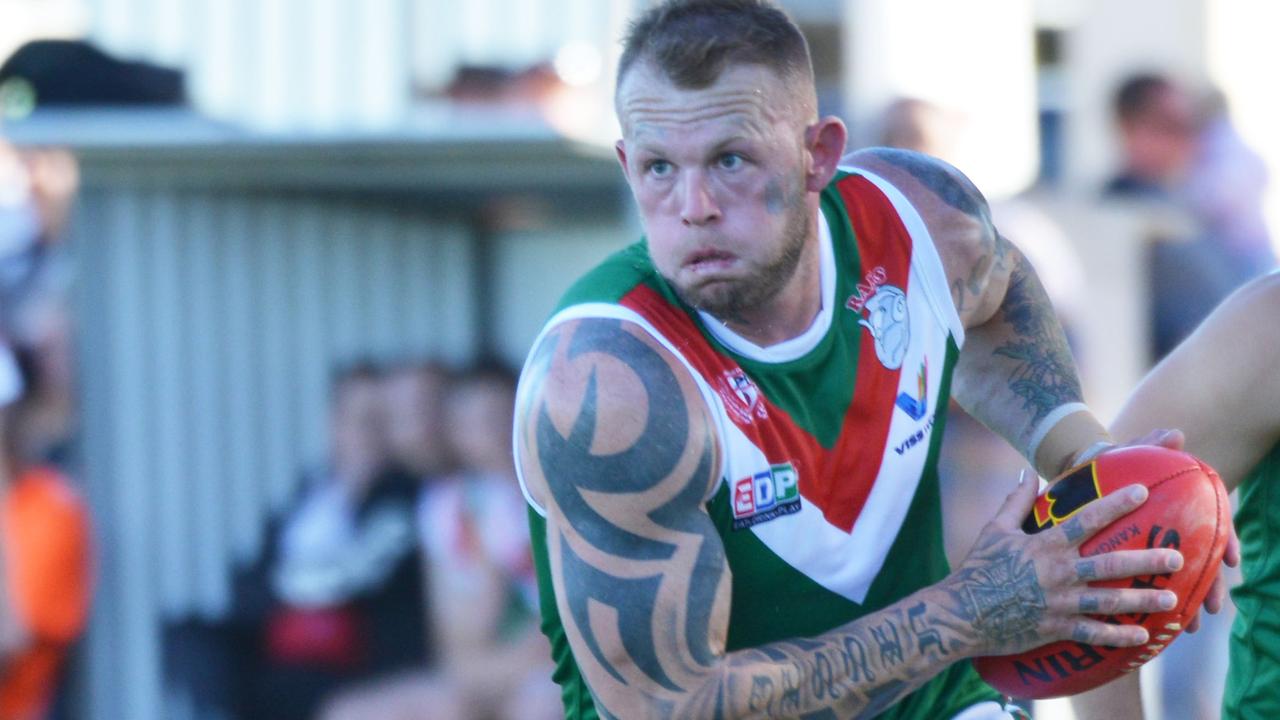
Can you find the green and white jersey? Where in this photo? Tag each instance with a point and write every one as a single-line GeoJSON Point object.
{"type": "Point", "coordinates": [1253, 681]}
{"type": "Point", "coordinates": [828, 503]}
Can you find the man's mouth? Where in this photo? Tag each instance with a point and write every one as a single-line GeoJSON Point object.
{"type": "Point", "coordinates": [708, 260]}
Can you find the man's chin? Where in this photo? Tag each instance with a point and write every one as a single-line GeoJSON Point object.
{"type": "Point", "coordinates": [722, 299]}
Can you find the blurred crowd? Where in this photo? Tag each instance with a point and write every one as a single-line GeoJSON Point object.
{"type": "Point", "coordinates": [46, 561]}
{"type": "Point", "coordinates": [398, 581]}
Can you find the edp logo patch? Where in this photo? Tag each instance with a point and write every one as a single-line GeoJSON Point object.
{"type": "Point", "coordinates": [766, 495]}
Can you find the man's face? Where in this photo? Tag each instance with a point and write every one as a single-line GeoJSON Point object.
{"type": "Point", "coordinates": [414, 400]}
{"type": "Point", "coordinates": [357, 429]}
{"type": "Point", "coordinates": [719, 176]}
{"type": "Point", "coordinates": [1161, 141]}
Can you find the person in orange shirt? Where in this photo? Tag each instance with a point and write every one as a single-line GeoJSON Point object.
{"type": "Point", "coordinates": [46, 570]}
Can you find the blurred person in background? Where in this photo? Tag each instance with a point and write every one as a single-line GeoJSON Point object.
{"type": "Point", "coordinates": [46, 561]}
{"type": "Point", "coordinates": [1188, 273]}
{"type": "Point", "coordinates": [416, 429]}
{"type": "Point", "coordinates": [37, 189]}
{"type": "Point", "coordinates": [336, 596]}
{"type": "Point", "coordinates": [484, 593]}
{"type": "Point", "coordinates": [1156, 119]}
{"type": "Point", "coordinates": [915, 124]}
{"type": "Point", "coordinates": [1226, 189]}
{"type": "Point", "coordinates": [493, 664]}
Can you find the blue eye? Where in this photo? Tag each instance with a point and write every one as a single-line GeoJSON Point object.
{"type": "Point", "coordinates": [658, 168]}
{"type": "Point", "coordinates": [730, 161]}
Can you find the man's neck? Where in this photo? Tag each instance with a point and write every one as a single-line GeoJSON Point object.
{"type": "Point", "coordinates": [792, 311]}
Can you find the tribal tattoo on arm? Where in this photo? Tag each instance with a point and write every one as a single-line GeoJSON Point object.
{"type": "Point", "coordinates": [615, 442]}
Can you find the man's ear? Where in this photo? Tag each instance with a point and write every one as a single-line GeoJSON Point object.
{"type": "Point", "coordinates": [824, 141]}
{"type": "Point", "coordinates": [620, 148]}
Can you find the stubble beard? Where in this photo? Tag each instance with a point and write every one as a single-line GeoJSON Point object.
{"type": "Point", "coordinates": [736, 300]}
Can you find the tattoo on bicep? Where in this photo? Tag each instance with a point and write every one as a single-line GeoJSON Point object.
{"type": "Point", "coordinates": [1044, 375]}
{"type": "Point", "coordinates": [666, 470]}
{"type": "Point", "coordinates": [958, 295]}
{"type": "Point", "coordinates": [951, 186]}
{"type": "Point", "coordinates": [956, 191]}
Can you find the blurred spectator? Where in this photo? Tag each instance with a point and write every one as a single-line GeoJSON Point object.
{"type": "Point", "coordinates": [37, 189]}
{"type": "Point", "coordinates": [1188, 273]}
{"type": "Point", "coordinates": [416, 429]}
{"type": "Point", "coordinates": [1200, 190]}
{"type": "Point", "coordinates": [1157, 123]}
{"type": "Point", "coordinates": [1226, 189]}
{"type": "Point", "coordinates": [914, 124]}
{"type": "Point", "coordinates": [336, 597]}
{"type": "Point", "coordinates": [46, 564]}
{"type": "Point", "coordinates": [493, 662]}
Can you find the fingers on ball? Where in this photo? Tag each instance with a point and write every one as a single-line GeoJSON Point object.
{"type": "Point", "coordinates": [1095, 632]}
{"type": "Point", "coordinates": [1114, 601]}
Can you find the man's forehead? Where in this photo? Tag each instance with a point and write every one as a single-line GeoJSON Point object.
{"type": "Point", "coordinates": [744, 94]}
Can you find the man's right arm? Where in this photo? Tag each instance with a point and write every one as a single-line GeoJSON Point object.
{"type": "Point", "coordinates": [617, 445]}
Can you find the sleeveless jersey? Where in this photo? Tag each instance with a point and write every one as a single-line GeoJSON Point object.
{"type": "Point", "coordinates": [1253, 681]}
{"type": "Point", "coordinates": [828, 502]}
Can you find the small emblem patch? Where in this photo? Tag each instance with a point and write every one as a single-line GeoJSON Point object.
{"type": "Point", "coordinates": [741, 397]}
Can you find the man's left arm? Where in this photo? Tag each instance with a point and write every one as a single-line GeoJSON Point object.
{"type": "Point", "coordinates": [1015, 373]}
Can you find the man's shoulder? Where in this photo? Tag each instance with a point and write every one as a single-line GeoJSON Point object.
{"type": "Point", "coordinates": [615, 277]}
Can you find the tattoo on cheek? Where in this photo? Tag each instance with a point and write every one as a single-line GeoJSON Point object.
{"type": "Point", "coordinates": [775, 197]}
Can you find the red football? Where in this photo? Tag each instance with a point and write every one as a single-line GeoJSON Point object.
{"type": "Point", "coordinates": [1186, 510]}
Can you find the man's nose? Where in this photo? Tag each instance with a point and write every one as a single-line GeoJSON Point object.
{"type": "Point", "coordinates": [698, 205]}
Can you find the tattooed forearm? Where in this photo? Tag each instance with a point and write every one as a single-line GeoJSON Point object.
{"type": "Point", "coordinates": [1044, 374]}
{"type": "Point", "coordinates": [856, 671]}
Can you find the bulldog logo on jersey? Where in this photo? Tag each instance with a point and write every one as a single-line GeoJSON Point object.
{"type": "Point", "coordinates": [889, 323]}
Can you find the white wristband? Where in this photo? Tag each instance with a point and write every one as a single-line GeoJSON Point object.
{"type": "Point", "coordinates": [1053, 418]}
{"type": "Point", "coordinates": [1092, 452]}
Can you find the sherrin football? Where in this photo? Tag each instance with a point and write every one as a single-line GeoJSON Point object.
{"type": "Point", "coordinates": [1186, 509]}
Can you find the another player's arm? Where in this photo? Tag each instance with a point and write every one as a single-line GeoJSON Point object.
{"type": "Point", "coordinates": [615, 442]}
{"type": "Point", "coordinates": [1016, 368]}
{"type": "Point", "coordinates": [1221, 388]}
